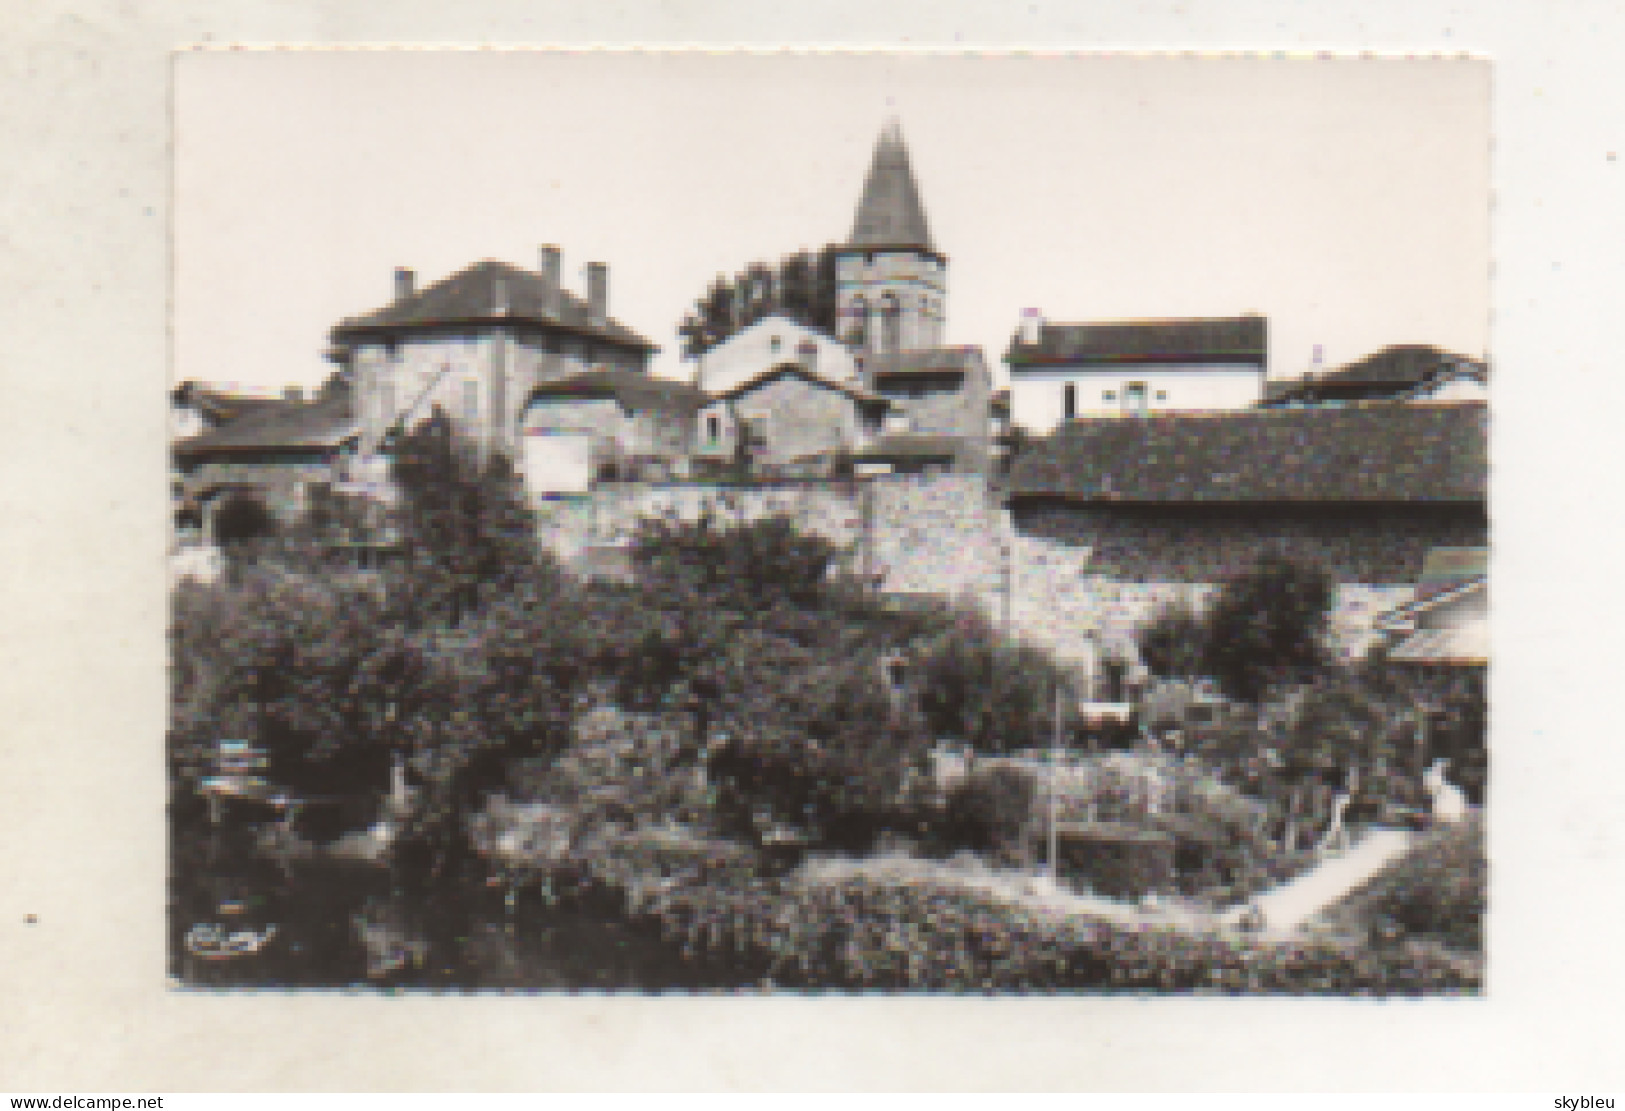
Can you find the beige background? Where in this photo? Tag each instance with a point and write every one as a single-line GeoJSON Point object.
{"type": "Point", "coordinates": [84, 228]}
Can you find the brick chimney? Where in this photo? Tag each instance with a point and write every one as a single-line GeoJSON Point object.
{"type": "Point", "coordinates": [597, 292]}
{"type": "Point", "coordinates": [405, 283]}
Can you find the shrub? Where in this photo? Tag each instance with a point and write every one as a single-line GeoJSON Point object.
{"type": "Point", "coordinates": [746, 565]}
{"type": "Point", "coordinates": [1266, 626]}
{"type": "Point", "coordinates": [992, 808]}
{"type": "Point", "coordinates": [979, 687]}
{"type": "Point", "coordinates": [1437, 891]}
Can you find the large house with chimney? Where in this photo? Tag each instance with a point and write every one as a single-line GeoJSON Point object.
{"type": "Point", "coordinates": [476, 345]}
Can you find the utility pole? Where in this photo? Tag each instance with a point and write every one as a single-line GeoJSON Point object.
{"type": "Point", "coordinates": [1054, 773]}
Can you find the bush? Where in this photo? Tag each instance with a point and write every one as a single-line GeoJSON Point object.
{"type": "Point", "coordinates": [992, 809]}
{"type": "Point", "coordinates": [1437, 891]}
{"type": "Point", "coordinates": [863, 932]}
{"type": "Point", "coordinates": [978, 687]}
{"type": "Point", "coordinates": [1267, 626]}
{"type": "Point", "coordinates": [745, 565]}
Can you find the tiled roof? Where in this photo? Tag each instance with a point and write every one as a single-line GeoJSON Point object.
{"type": "Point", "coordinates": [491, 292]}
{"type": "Point", "coordinates": [1393, 453]}
{"type": "Point", "coordinates": [890, 213]}
{"type": "Point", "coordinates": [1216, 339]}
{"type": "Point", "coordinates": [1392, 373]}
{"type": "Point", "coordinates": [1468, 643]}
{"type": "Point", "coordinates": [637, 392]}
{"type": "Point", "coordinates": [278, 426]}
{"type": "Point", "coordinates": [926, 360]}
{"type": "Point", "coordinates": [219, 406]}
{"type": "Point", "coordinates": [855, 392]}
{"type": "Point", "coordinates": [903, 445]}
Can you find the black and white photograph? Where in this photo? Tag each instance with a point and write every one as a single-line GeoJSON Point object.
{"type": "Point", "coordinates": [780, 523]}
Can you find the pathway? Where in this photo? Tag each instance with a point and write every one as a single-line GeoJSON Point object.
{"type": "Point", "coordinates": [1288, 907]}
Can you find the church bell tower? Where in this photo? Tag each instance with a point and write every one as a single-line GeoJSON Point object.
{"type": "Point", "coordinates": [890, 281]}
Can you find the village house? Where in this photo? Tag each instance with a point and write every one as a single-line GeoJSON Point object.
{"type": "Point", "coordinates": [936, 394]}
{"type": "Point", "coordinates": [1059, 372]}
{"type": "Point", "coordinates": [620, 424]}
{"type": "Point", "coordinates": [772, 341]}
{"type": "Point", "coordinates": [1404, 372]}
{"type": "Point", "coordinates": [788, 420]}
{"type": "Point", "coordinates": [476, 344]}
{"type": "Point", "coordinates": [1364, 491]}
{"type": "Point", "coordinates": [280, 452]}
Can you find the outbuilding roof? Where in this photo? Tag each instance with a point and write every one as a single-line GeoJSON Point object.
{"type": "Point", "coordinates": [636, 391]}
{"type": "Point", "coordinates": [855, 392]}
{"type": "Point", "coordinates": [1242, 339]}
{"type": "Point", "coordinates": [492, 292]}
{"type": "Point", "coordinates": [906, 445]}
{"type": "Point", "coordinates": [1393, 372]}
{"type": "Point", "coordinates": [1371, 453]}
{"type": "Point", "coordinates": [925, 360]}
{"type": "Point", "coordinates": [278, 426]}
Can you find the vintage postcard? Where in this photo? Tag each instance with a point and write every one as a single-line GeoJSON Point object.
{"type": "Point", "coordinates": [829, 523]}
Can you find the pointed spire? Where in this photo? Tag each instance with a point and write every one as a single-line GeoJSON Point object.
{"type": "Point", "coordinates": [890, 213]}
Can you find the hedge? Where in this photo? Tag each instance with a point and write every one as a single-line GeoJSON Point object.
{"type": "Point", "coordinates": [868, 933]}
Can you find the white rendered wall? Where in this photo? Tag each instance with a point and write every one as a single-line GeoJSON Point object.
{"type": "Point", "coordinates": [1037, 397]}
{"type": "Point", "coordinates": [751, 352]}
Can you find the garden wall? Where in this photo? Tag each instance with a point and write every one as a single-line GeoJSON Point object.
{"type": "Point", "coordinates": [917, 533]}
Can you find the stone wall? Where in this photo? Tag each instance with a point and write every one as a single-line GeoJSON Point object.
{"type": "Point", "coordinates": [1365, 544]}
{"type": "Point", "coordinates": [282, 485]}
{"type": "Point", "coordinates": [919, 533]}
{"type": "Point", "coordinates": [941, 535]}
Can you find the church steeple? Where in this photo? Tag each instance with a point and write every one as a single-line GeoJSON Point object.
{"type": "Point", "coordinates": [890, 213]}
{"type": "Point", "coordinates": [890, 280]}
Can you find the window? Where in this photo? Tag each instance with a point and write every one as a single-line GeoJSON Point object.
{"type": "Point", "coordinates": [773, 345]}
{"type": "Point", "coordinates": [713, 429]}
{"type": "Point", "coordinates": [857, 328]}
{"type": "Point", "coordinates": [891, 324]}
{"type": "Point", "coordinates": [1069, 401]}
{"type": "Point", "coordinates": [1134, 397]}
{"type": "Point", "coordinates": [1162, 395]}
{"type": "Point", "coordinates": [1109, 395]}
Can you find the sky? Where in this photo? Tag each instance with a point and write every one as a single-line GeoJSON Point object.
{"type": "Point", "coordinates": [1348, 201]}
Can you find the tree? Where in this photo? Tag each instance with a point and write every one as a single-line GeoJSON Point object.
{"type": "Point", "coordinates": [801, 286]}
{"type": "Point", "coordinates": [1172, 643]}
{"type": "Point", "coordinates": [1267, 626]}
{"type": "Point", "coordinates": [468, 533]}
